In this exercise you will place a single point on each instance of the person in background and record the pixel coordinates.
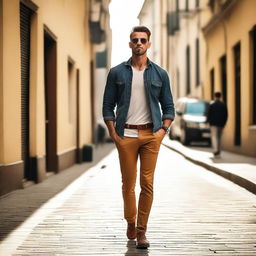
(217, 118)
(135, 88)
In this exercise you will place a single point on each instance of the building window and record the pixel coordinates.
(177, 6)
(172, 22)
(188, 70)
(237, 98)
(71, 90)
(212, 81)
(197, 63)
(187, 6)
(223, 73)
(253, 43)
(101, 59)
(211, 4)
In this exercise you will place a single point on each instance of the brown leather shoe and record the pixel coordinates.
(131, 231)
(142, 242)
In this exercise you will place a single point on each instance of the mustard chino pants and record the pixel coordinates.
(146, 147)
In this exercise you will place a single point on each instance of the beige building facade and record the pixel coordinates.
(45, 89)
(150, 16)
(101, 37)
(177, 42)
(208, 46)
(230, 36)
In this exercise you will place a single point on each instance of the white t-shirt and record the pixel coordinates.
(139, 111)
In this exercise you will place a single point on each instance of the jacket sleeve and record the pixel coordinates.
(110, 97)
(166, 99)
(226, 114)
(209, 112)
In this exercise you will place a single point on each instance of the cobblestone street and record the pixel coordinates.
(195, 212)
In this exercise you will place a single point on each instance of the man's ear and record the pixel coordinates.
(149, 44)
(130, 44)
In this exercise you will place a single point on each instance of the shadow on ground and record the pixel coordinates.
(226, 157)
(133, 251)
(19, 205)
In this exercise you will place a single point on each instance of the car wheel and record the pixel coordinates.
(171, 137)
(184, 138)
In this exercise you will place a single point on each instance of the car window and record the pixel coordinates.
(196, 108)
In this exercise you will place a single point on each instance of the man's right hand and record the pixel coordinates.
(114, 136)
(112, 131)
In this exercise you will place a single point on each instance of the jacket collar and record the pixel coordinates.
(129, 62)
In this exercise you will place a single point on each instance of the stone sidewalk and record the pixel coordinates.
(21, 205)
(195, 212)
(237, 168)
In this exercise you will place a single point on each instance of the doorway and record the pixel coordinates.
(50, 76)
(25, 27)
(223, 70)
(237, 67)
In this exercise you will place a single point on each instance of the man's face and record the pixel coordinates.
(139, 43)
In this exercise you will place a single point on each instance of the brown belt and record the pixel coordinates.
(139, 127)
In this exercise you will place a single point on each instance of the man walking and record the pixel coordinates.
(135, 88)
(217, 118)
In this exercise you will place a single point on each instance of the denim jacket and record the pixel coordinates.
(118, 94)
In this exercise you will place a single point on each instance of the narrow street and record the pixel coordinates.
(73, 74)
(195, 212)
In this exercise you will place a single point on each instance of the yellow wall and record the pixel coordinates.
(11, 79)
(37, 103)
(68, 21)
(61, 17)
(1, 82)
(237, 24)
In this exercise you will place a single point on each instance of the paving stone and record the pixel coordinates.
(195, 212)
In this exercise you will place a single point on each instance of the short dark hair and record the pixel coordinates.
(141, 29)
(217, 94)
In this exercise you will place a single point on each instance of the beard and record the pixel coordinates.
(139, 51)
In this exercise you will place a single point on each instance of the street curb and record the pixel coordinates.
(242, 182)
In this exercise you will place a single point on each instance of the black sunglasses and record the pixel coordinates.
(136, 40)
